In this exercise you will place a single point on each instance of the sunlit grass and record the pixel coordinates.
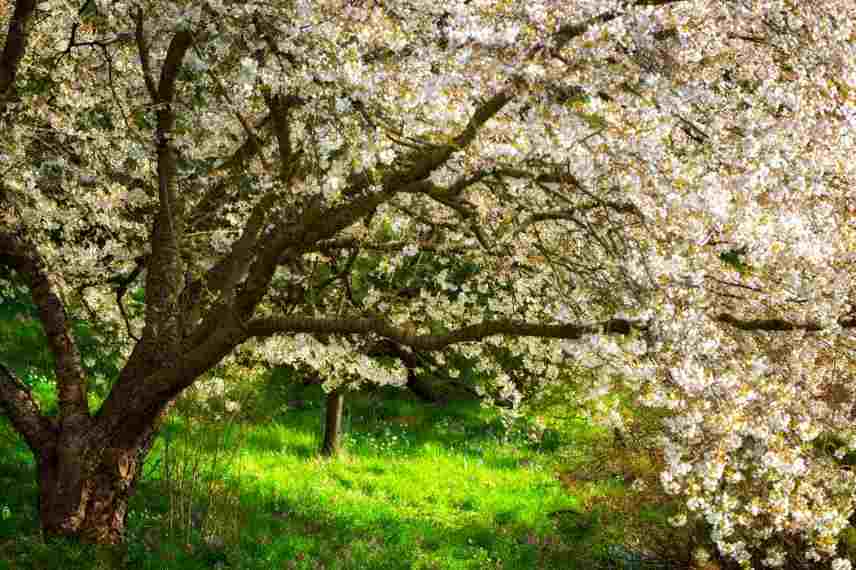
(417, 486)
(441, 487)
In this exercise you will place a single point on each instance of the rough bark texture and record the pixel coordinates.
(95, 507)
(85, 479)
(85, 484)
(333, 423)
(18, 404)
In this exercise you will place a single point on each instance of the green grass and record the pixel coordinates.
(417, 487)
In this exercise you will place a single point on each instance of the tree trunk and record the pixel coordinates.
(84, 496)
(333, 423)
(85, 486)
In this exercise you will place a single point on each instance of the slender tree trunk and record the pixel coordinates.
(333, 423)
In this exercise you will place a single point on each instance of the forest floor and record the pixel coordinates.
(417, 486)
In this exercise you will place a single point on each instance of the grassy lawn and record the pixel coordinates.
(418, 486)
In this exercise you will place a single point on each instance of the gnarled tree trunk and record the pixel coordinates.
(86, 475)
(85, 480)
(86, 495)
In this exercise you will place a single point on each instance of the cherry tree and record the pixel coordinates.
(658, 191)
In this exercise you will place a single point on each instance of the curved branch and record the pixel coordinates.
(178, 47)
(71, 380)
(570, 214)
(17, 403)
(264, 327)
(568, 32)
(124, 282)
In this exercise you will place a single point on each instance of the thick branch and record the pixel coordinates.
(568, 32)
(71, 381)
(217, 287)
(280, 108)
(445, 195)
(316, 225)
(778, 325)
(165, 271)
(17, 403)
(418, 164)
(143, 49)
(16, 45)
(143, 387)
(265, 327)
(172, 64)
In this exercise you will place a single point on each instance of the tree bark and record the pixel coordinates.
(85, 485)
(86, 475)
(333, 423)
(86, 496)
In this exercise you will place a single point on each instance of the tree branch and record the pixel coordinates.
(280, 108)
(178, 47)
(264, 327)
(143, 49)
(71, 380)
(355, 244)
(570, 214)
(218, 285)
(17, 403)
(123, 283)
(778, 325)
(16, 45)
(165, 273)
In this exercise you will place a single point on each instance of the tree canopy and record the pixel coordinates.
(658, 191)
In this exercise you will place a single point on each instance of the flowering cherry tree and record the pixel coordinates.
(659, 191)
